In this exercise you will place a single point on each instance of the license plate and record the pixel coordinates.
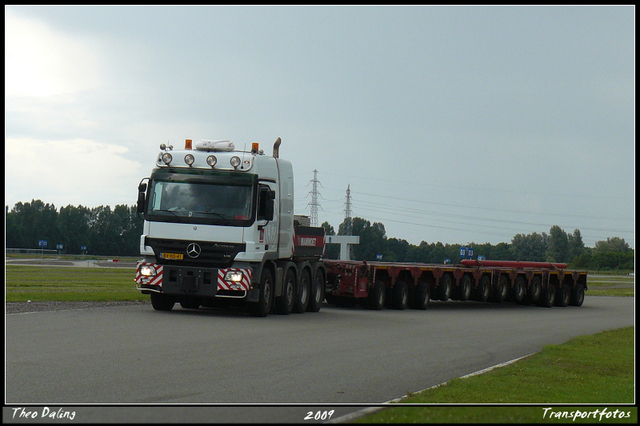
(178, 256)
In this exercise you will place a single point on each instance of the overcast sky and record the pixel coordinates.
(452, 124)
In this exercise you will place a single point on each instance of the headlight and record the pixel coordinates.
(166, 158)
(212, 160)
(233, 276)
(189, 159)
(235, 161)
(148, 271)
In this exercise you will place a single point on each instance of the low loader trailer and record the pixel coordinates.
(402, 285)
(219, 226)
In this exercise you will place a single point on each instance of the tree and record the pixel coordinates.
(557, 245)
(530, 247)
(612, 244)
(576, 245)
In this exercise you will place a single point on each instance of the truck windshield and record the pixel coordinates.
(200, 202)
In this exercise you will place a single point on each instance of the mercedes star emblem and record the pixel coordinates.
(193, 250)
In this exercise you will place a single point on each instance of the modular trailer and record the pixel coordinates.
(219, 226)
(401, 285)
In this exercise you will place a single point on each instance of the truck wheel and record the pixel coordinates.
(444, 288)
(519, 289)
(284, 302)
(577, 296)
(563, 296)
(376, 296)
(421, 296)
(548, 296)
(400, 296)
(262, 307)
(534, 291)
(317, 292)
(162, 302)
(484, 289)
(304, 288)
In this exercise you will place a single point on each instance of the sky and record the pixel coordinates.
(452, 124)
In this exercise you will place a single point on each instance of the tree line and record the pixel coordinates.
(116, 232)
(556, 246)
(102, 230)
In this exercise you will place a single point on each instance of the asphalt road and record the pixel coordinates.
(336, 357)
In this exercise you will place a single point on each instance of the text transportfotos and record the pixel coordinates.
(577, 414)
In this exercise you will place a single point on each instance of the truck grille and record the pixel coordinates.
(184, 253)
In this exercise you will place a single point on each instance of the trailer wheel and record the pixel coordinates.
(577, 295)
(563, 296)
(500, 292)
(400, 295)
(534, 291)
(444, 287)
(162, 302)
(519, 289)
(304, 288)
(548, 296)
(262, 308)
(484, 289)
(317, 292)
(421, 296)
(376, 296)
(284, 302)
(464, 288)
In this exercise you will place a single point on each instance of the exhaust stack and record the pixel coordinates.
(276, 148)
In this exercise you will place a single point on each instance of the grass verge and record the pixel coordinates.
(596, 369)
(42, 284)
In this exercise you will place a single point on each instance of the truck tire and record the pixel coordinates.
(376, 296)
(304, 289)
(577, 295)
(284, 302)
(484, 289)
(421, 296)
(519, 290)
(563, 296)
(262, 307)
(400, 296)
(445, 287)
(535, 291)
(548, 297)
(162, 302)
(317, 291)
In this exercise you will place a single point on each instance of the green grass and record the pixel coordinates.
(597, 369)
(38, 283)
(610, 285)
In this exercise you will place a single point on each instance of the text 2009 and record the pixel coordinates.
(319, 415)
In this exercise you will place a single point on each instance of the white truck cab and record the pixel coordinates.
(219, 223)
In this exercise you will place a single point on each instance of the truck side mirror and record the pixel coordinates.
(266, 204)
(142, 189)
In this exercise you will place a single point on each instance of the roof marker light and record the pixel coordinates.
(235, 161)
(212, 160)
(189, 159)
(166, 158)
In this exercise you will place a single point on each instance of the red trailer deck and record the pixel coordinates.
(403, 285)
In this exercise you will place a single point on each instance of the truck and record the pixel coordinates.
(219, 227)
